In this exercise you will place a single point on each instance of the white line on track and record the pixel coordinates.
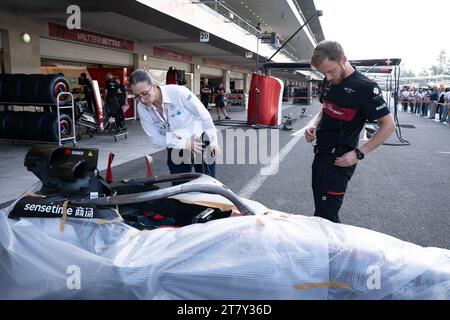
(257, 181)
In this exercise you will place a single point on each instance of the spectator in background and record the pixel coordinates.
(434, 96)
(419, 99)
(205, 93)
(444, 109)
(111, 86)
(404, 96)
(425, 103)
(258, 26)
(412, 99)
(277, 40)
(87, 90)
(111, 103)
(440, 102)
(220, 103)
(122, 97)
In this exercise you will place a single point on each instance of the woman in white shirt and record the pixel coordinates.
(174, 118)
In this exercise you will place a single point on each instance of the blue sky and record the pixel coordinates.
(412, 30)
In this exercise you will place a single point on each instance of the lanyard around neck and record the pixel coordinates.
(164, 117)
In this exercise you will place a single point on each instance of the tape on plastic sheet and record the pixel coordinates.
(32, 194)
(278, 215)
(337, 285)
(259, 222)
(64, 216)
(211, 204)
(106, 221)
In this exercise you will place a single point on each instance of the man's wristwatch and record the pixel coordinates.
(359, 154)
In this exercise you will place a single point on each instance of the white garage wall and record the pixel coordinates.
(163, 64)
(236, 75)
(213, 72)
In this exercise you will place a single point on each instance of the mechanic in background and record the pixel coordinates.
(205, 93)
(88, 91)
(111, 103)
(349, 98)
(220, 101)
(174, 118)
(122, 97)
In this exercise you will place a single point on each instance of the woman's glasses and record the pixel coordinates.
(143, 95)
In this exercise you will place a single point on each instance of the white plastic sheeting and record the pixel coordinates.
(271, 256)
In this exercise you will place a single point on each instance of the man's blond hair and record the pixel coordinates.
(326, 49)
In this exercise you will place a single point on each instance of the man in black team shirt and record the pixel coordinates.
(349, 98)
(205, 92)
(111, 102)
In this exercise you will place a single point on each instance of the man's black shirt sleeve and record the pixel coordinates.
(373, 105)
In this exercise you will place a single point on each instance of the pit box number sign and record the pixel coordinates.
(204, 36)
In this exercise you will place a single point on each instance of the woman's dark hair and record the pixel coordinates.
(140, 75)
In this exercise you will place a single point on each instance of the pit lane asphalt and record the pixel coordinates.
(402, 191)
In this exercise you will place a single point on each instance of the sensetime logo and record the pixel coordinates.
(36, 207)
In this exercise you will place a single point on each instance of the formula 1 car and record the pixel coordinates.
(75, 236)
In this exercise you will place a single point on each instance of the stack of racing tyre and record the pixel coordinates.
(35, 90)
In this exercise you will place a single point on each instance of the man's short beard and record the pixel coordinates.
(341, 76)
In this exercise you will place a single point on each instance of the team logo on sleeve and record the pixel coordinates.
(376, 90)
(381, 107)
(349, 90)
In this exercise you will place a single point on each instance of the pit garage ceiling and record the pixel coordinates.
(133, 20)
(279, 16)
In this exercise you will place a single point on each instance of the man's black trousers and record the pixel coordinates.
(205, 101)
(115, 110)
(329, 184)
